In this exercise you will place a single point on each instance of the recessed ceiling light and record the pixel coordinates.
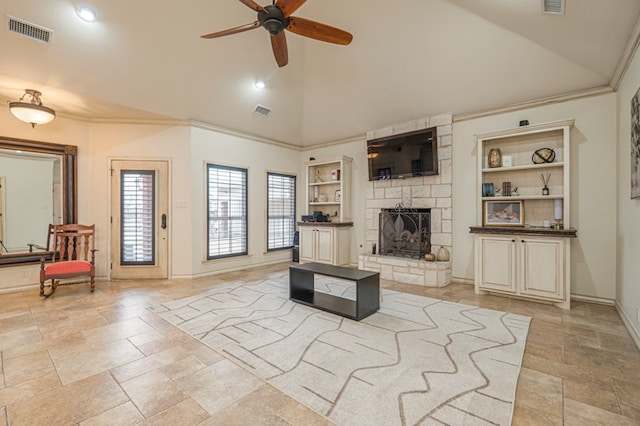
(86, 14)
(260, 84)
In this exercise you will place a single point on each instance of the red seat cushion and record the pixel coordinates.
(68, 267)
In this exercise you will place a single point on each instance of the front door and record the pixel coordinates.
(139, 219)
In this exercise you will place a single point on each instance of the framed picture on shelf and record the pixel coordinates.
(487, 190)
(338, 196)
(503, 213)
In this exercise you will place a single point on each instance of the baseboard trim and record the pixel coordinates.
(223, 271)
(590, 299)
(628, 324)
(461, 280)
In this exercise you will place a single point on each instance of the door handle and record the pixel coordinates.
(163, 223)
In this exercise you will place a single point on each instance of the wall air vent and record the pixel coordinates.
(262, 110)
(555, 7)
(28, 29)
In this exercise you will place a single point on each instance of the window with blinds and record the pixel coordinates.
(137, 232)
(226, 211)
(281, 211)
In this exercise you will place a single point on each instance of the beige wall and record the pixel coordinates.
(628, 230)
(187, 149)
(110, 141)
(258, 158)
(593, 182)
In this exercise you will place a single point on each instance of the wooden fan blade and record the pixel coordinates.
(318, 31)
(289, 6)
(233, 30)
(253, 5)
(279, 46)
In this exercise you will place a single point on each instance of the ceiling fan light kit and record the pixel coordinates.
(32, 112)
(277, 17)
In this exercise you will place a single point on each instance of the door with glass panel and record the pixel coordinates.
(139, 219)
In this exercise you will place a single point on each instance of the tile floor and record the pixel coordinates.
(105, 358)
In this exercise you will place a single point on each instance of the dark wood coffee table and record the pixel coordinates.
(301, 290)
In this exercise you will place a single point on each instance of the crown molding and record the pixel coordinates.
(596, 91)
(181, 123)
(627, 57)
(350, 139)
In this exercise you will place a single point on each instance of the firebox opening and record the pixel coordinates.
(404, 232)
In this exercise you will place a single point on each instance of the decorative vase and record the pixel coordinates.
(494, 158)
(429, 257)
(443, 254)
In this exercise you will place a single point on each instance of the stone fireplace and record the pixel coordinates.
(432, 193)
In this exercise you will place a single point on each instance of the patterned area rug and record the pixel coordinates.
(416, 361)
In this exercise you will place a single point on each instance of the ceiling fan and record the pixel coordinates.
(276, 17)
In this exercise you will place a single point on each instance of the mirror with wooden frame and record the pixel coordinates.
(37, 187)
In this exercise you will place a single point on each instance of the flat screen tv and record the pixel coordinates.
(402, 156)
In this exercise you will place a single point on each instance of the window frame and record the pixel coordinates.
(210, 219)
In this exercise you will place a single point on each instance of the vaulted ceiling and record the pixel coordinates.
(408, 59)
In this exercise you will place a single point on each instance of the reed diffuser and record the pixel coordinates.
(545, 182)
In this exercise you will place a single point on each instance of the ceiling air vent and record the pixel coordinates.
(27, 29)
(262, 110)
(555, 7)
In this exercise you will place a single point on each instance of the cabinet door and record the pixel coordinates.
(497, 264)
(307, 244)
(324, 245)
(542, 267)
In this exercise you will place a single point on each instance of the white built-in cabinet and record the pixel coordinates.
(328, 191)
(324, 244)
(527, 260)
(529, 266)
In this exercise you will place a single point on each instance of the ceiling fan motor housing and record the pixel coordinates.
(273, 21)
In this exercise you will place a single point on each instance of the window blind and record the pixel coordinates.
(137, 233)
(281, 210)
(226, 211)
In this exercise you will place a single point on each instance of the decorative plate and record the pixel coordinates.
(543, 155)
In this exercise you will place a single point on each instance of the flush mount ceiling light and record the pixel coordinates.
(32, 112)
(260, 84)
(86, 14)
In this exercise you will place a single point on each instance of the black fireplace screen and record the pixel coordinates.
(405, 232)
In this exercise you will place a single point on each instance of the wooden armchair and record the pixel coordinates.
(73, 256)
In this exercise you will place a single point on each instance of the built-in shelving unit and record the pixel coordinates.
(530, 256)
(328, 191)
(329, 188)
(520, 144)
